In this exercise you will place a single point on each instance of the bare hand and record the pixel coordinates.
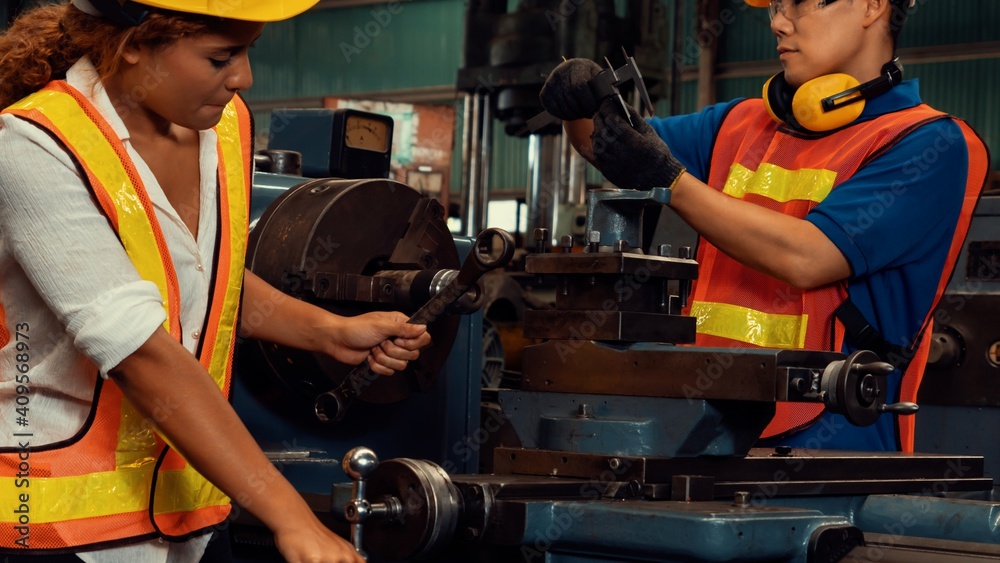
(314, 544)
(385, 339)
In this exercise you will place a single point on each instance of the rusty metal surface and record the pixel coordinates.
(611, 293)
(638, 265)
(801, 472)
(327, 225)
(584, 366)
(621, 326)
(533, 462)
(896, 548)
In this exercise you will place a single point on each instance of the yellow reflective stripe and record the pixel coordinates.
(58, 499)
(136, 438)
(234, 161)
(779, 184)
(126, 489)
(134, 228)
(768, 330)
(198, 492)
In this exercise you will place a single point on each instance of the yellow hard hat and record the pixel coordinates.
(132, 12)
(250, 10)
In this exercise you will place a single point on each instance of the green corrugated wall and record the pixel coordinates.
(364, 49)
(415, 44)
(420, 47)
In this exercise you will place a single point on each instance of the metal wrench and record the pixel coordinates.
(332, 405)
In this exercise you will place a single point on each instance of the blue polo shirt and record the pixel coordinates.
(893, 221)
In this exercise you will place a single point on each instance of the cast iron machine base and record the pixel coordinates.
(637, 448)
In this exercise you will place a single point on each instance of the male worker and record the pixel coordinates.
(825, 229)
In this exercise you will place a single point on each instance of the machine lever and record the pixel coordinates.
(900, 408)
(359, 464)
(874, 368)
(332, 405)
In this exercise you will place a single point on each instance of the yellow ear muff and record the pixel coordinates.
(772, 100)
(807, 104)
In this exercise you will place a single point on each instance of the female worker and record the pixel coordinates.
(124, 180)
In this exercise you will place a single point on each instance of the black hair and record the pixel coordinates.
(900, 11)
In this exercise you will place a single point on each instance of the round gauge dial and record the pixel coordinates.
(366, 133)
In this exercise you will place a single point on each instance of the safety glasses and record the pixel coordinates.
(795, 9)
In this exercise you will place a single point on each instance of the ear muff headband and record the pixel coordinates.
(826, 102)
(128, 14)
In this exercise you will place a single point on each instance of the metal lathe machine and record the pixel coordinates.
(615, 441)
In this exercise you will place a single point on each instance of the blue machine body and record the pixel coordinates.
(434, 425)
(580, 514)
(782, 529)
(959, 396)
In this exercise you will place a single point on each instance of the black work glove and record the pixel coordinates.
(566, 93)
(631, 158)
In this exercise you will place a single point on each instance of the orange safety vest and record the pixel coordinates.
(116, 481)
(757, 161)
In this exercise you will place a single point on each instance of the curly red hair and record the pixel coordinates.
(43, 43)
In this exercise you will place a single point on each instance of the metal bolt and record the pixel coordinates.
(566, 242)
(868, 390)
(584, 411)
(685, 252)
(783, 450)
(541, 240)
(614, 463)
(620, 245)
(741, 499)
(665, 250)
(594, 238)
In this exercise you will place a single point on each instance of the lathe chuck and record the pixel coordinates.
(351, 247)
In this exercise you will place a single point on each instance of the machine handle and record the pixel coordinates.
(855, 388)
(359, 464)
(900, 408)
(485, 256)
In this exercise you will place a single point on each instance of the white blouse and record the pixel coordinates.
(69, 290)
